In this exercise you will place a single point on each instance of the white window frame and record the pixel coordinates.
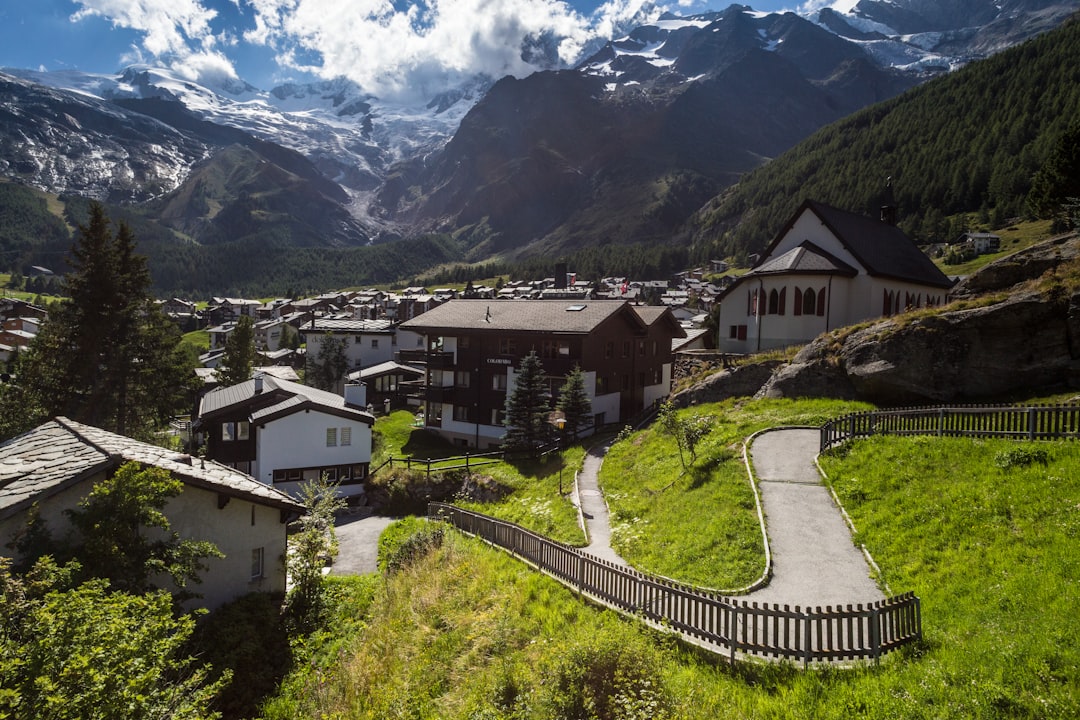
(258, 563)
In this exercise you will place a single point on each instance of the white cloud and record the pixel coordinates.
(393, 48)
(413, 49)
(840, 6)
(176, 32)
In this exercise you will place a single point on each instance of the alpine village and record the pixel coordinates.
(732, 371)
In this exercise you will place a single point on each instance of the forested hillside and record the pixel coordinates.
(972, 141)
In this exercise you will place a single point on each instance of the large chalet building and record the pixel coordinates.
(473, 348)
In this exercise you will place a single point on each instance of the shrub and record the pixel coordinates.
(248, 637)
(618, 678)
(1021, 457)
(406, 541)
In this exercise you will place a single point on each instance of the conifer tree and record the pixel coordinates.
(106, 356)
(574, 403)
(327, 369)
(528, 408)
(239, 355)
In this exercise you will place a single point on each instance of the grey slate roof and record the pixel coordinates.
(550, 316)
(882, 249)
(62, 453)
(807, 259)
(290, 395)
(385, 367)
(347, 325)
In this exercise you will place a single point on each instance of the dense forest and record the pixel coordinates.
(972, 141)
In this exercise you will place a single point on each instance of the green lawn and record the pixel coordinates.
(533, 498)
(985, 532)
(699, 526)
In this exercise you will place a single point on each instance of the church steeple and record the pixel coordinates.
(888, 204)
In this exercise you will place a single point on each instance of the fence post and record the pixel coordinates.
(733, 628)
(806, 635)
(940, 422)
(1031, 423)
(875, 632)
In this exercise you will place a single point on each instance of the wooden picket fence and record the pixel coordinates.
(1049, 422)
(724, 624)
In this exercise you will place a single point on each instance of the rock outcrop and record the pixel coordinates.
(740, 381)
(1028, 340)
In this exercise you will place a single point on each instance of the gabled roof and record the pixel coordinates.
(652, 314)
(61, 453)
(383, 368)
(347, 325)
(882, 249)
(276, 398)
(572, 317)
(806, 259)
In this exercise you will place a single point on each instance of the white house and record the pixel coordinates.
(367, 342)
(827, 268)
(54, 467)
(284, 433)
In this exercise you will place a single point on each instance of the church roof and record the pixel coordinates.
(806, 259)
(884, 250)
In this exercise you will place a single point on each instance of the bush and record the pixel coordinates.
(1021, 457)
(618, 678)
(408, 492)
(406, 541)
(249, 637)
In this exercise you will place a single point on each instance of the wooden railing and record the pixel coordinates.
(728, 625)
(1004, 421)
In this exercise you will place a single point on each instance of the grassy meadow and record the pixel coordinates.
(535, 493)
(700, 525)
(986, 533)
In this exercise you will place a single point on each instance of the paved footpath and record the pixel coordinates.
(358, 542)
(815, 562)
(594, 508)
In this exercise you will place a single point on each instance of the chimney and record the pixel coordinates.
(560, 276)
(356, 395)
(258, 383)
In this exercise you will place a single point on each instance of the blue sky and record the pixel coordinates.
(388, 46)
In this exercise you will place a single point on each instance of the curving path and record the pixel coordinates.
(815, 561)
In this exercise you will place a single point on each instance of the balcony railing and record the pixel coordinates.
(433, 359)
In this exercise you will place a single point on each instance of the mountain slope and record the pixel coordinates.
(965, 142)
(624, 148)
(552, 161)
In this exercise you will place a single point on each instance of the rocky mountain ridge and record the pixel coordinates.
(658, 121)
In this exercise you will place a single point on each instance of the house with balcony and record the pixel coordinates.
(284, 434)
(473, 348)
(827, 268)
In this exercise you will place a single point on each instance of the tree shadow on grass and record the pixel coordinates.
(424, 444)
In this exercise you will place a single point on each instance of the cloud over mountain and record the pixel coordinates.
(391, 48)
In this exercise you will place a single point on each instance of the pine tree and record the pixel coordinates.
(239, 355)
(328, 368)
(574, 403)
(528, 408)
(106, 356)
